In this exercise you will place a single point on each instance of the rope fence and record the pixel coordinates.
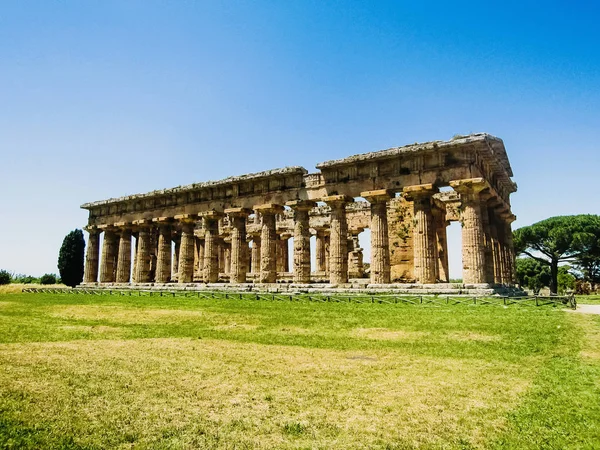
(434, 300)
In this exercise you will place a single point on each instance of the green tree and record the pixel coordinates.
(70, 258)
(532, 274)
(48, 278)
(5, 277)
(559, 239)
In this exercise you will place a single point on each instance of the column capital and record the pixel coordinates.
(238, 212)
(163, 220)
(142, 222)
(269, 208)
(212, 214)
(106, 227)
(469, 185)
(92, 229)
(285, 235)
(301, 204)
(378, 196)
(419, 190)
(186, 218)
(123, 226)
(337, 200)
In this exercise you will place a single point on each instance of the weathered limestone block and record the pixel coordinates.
(163, 262)
(424, 235)
(338, 243)
(92, 256)
(239, 246)
(109, 253)
(211, 243)
(301, 210)
(472, 229)
(355, 256)
(380, 242)
(268, 250)
(124, 261)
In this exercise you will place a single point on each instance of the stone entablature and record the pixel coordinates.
(394, 193)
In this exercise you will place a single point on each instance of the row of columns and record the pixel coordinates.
(488, 255)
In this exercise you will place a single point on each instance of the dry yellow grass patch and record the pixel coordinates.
(388, 335)
(14, 288)
(192, 393)
(591, 341)
(472, 336)
(131, 315)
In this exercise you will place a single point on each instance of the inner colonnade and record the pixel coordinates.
(237, 230)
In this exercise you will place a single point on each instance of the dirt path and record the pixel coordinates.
(588, 309)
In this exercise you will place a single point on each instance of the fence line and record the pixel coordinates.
(435, 300)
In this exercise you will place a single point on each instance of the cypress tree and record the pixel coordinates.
(70, 258)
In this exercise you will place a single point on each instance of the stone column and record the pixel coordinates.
(199, 257)
(440, 225)
(256, 254)
(507, 253)
(488, 250)
(283, 253)
(92, 255)
(473, 246)
(380, 243)
(211, 246)
(268, 250)
(136, 236)
(175, 265)
(496, 250)
(338, 240)
(124, 261)
(355, 255)
(144, 249)
(109, 251)
(321, 251)
(301, 239)
(163, 259)
(186, 251)
(424, 236)
(239, 246)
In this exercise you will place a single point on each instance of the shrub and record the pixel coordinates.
(4, 277)
(48, 278)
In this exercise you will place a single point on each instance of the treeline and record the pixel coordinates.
(561, 253)
(7, 277)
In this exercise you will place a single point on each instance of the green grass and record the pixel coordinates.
(588, 299)
(82, 371)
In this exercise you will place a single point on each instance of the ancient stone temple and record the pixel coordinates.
(238, 230)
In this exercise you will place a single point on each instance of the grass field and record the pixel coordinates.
(91, 372)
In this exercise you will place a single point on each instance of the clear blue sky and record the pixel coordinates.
(107, 98)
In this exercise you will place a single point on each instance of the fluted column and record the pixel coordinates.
(320, 250)
(507, 253)
(186, 251)
(163, 259)
(282, 253)
(256, 254)
(199, 257)
(211, 241)
(239, 246)
(496, 250)
(175, 256)
(92, 255)
(338, 239)
(424, 236)
(109, 251)
(380, 243)
(268, 249)
(124, 261)
(301, 239)
(440, 225)
(143, 256)
(473, 247)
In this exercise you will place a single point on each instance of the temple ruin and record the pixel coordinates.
(235, 231)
